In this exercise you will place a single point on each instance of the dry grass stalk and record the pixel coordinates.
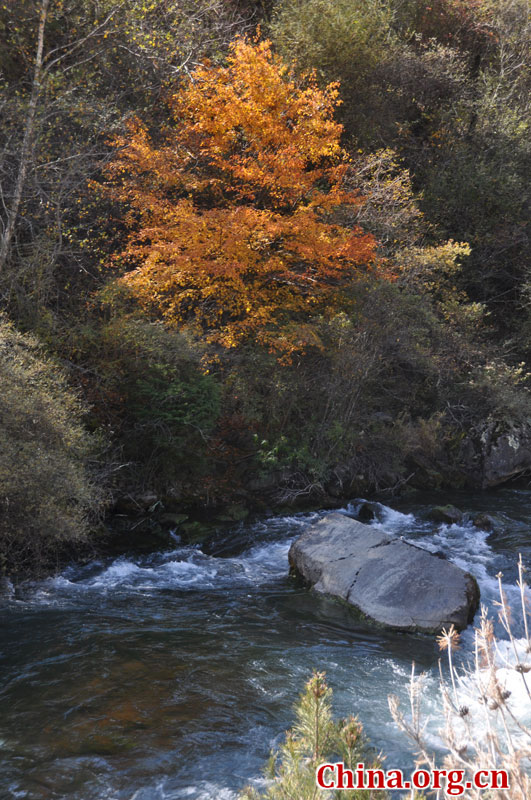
(483, 727)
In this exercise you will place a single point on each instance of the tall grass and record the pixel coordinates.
(481, 704)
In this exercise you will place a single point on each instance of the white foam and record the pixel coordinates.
(118, 573)
(395, 521)
(205, 791)
(518, 683)
(472, 686)
(185, 568)
(266, 561)
(389, 519)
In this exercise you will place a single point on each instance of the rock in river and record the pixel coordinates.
(391, 582)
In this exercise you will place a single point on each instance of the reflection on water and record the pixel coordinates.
(172, 675)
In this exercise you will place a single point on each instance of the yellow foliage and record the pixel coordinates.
(229, 214)
(434, 271)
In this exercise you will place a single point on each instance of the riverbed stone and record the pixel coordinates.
(486, 522)
(448, 514)
(390, 581)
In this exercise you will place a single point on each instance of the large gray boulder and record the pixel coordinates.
(391, 582)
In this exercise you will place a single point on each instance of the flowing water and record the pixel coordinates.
(172, 675)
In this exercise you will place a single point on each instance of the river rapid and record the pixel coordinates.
(171, 675)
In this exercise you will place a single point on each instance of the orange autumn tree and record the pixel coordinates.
(230, 212)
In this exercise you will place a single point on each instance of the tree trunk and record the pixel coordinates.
(12, 214)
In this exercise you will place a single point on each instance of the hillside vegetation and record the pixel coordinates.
(280, 251)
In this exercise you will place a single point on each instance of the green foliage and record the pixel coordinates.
(348, 403)
(476, 190)
(434, 273)
(166, 401)
(314, 739)
(450, 22)
(446, 84)
(389, 80)
(473, 162)
(498, 392)
(47, 494)
(387, 389)
(391, 207)
(342, 41)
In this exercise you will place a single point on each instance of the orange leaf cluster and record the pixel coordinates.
(230, 214)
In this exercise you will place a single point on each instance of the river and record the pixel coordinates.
(171, 675)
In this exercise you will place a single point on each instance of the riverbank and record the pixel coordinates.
(146, 521)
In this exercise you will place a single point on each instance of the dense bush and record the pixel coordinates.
(342, 41)
(350, 400)
(386, 389)
(445, 84)
(161, 402)
(388, 81)
(46, 493)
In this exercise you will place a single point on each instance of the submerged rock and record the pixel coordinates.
(391, 582)
(367, 511)
(486, 522)
(449, 514)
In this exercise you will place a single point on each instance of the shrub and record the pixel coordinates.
(46, 494)
(342, 41)
(350, 411)
(388, 79)
(314, 739)
(162, 402)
